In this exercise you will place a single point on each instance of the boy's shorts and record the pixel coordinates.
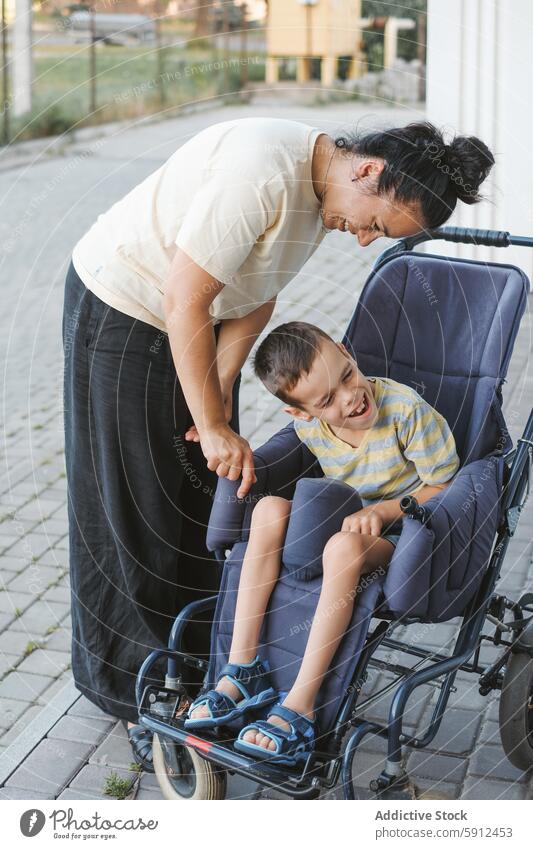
(392, 533)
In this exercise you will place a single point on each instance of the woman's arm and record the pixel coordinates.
(235, 341)
(188, 293)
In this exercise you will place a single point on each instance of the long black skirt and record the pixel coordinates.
(139, 498)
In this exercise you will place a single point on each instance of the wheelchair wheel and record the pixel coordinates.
(182, 774)
(516, 711)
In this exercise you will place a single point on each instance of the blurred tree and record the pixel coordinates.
(201, 26)
(373, 39)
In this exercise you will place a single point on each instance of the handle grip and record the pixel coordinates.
(468, 236)
(410, 506)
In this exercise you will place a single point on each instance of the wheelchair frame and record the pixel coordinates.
(159, 705)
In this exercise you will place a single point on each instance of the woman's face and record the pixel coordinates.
(355, 208)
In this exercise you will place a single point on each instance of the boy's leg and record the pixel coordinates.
(346, 557)
(260, 570)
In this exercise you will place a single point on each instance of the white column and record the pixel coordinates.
(390, 39)
(22, 57)
(479, 74)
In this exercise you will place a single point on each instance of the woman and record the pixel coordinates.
(164, 299)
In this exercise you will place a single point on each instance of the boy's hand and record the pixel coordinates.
(365, 521)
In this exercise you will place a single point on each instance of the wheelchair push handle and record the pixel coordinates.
(469, 236)
(460, 235)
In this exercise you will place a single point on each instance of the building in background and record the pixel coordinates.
(307, 29)
(330, 31)
(479, 74)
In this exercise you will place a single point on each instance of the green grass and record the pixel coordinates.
(117, 787)
(31, 647)
(130, 83)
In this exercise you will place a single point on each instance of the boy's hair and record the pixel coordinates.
(285, 354)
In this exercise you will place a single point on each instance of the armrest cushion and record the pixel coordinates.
(436, 570)
(279, 464)
(318, 509)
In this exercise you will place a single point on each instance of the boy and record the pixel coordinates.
(375, 434)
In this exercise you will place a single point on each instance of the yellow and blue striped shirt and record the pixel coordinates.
(410, 445)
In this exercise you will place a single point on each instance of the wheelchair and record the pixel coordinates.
(447, 327)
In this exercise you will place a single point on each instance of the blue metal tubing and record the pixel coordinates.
(346, 773)
(180, 623)
(145, 668)
(516, 484)
(174, 642)
(466, 644)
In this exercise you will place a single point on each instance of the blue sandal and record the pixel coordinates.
(253, 682)
(291, 746)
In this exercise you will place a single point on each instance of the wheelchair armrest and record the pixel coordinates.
(278, 464)
(436, 568)
(482, 474)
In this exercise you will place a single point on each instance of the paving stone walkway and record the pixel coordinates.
(55, 743)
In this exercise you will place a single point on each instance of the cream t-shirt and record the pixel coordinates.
(237, 197)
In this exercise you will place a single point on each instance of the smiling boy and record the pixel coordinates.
(373, 433)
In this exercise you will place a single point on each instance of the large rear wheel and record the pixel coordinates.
(516, 711)
(183, 774)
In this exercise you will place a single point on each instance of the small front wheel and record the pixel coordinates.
(183, 774)
(516, 711)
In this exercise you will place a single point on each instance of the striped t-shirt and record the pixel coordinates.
(410, 445)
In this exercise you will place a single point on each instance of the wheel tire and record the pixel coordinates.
(196, 779)
(516, 711)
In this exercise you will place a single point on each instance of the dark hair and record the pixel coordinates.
(421, 168)
(285, 354)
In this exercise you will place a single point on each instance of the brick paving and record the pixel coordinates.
(44, 207)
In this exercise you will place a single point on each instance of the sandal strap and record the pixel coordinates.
(297, 721)
(302, 729)
(217, 703)
(246, 677)
(276, 730)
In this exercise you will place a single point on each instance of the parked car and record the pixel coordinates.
(113, 28)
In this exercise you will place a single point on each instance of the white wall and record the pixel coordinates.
(479, 82)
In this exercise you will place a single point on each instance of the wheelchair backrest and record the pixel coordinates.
(446, 327)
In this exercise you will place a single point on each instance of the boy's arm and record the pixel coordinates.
(434, 458)
(374, 517)
(389, 510)
(428, 442)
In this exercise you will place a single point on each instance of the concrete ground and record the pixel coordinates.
(55, 743)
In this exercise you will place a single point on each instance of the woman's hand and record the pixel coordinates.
(366, 521)
(229, 455)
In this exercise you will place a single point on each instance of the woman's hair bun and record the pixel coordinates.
(469, 161)
(421, 168)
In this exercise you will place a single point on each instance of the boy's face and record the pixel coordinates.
(333, 391)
